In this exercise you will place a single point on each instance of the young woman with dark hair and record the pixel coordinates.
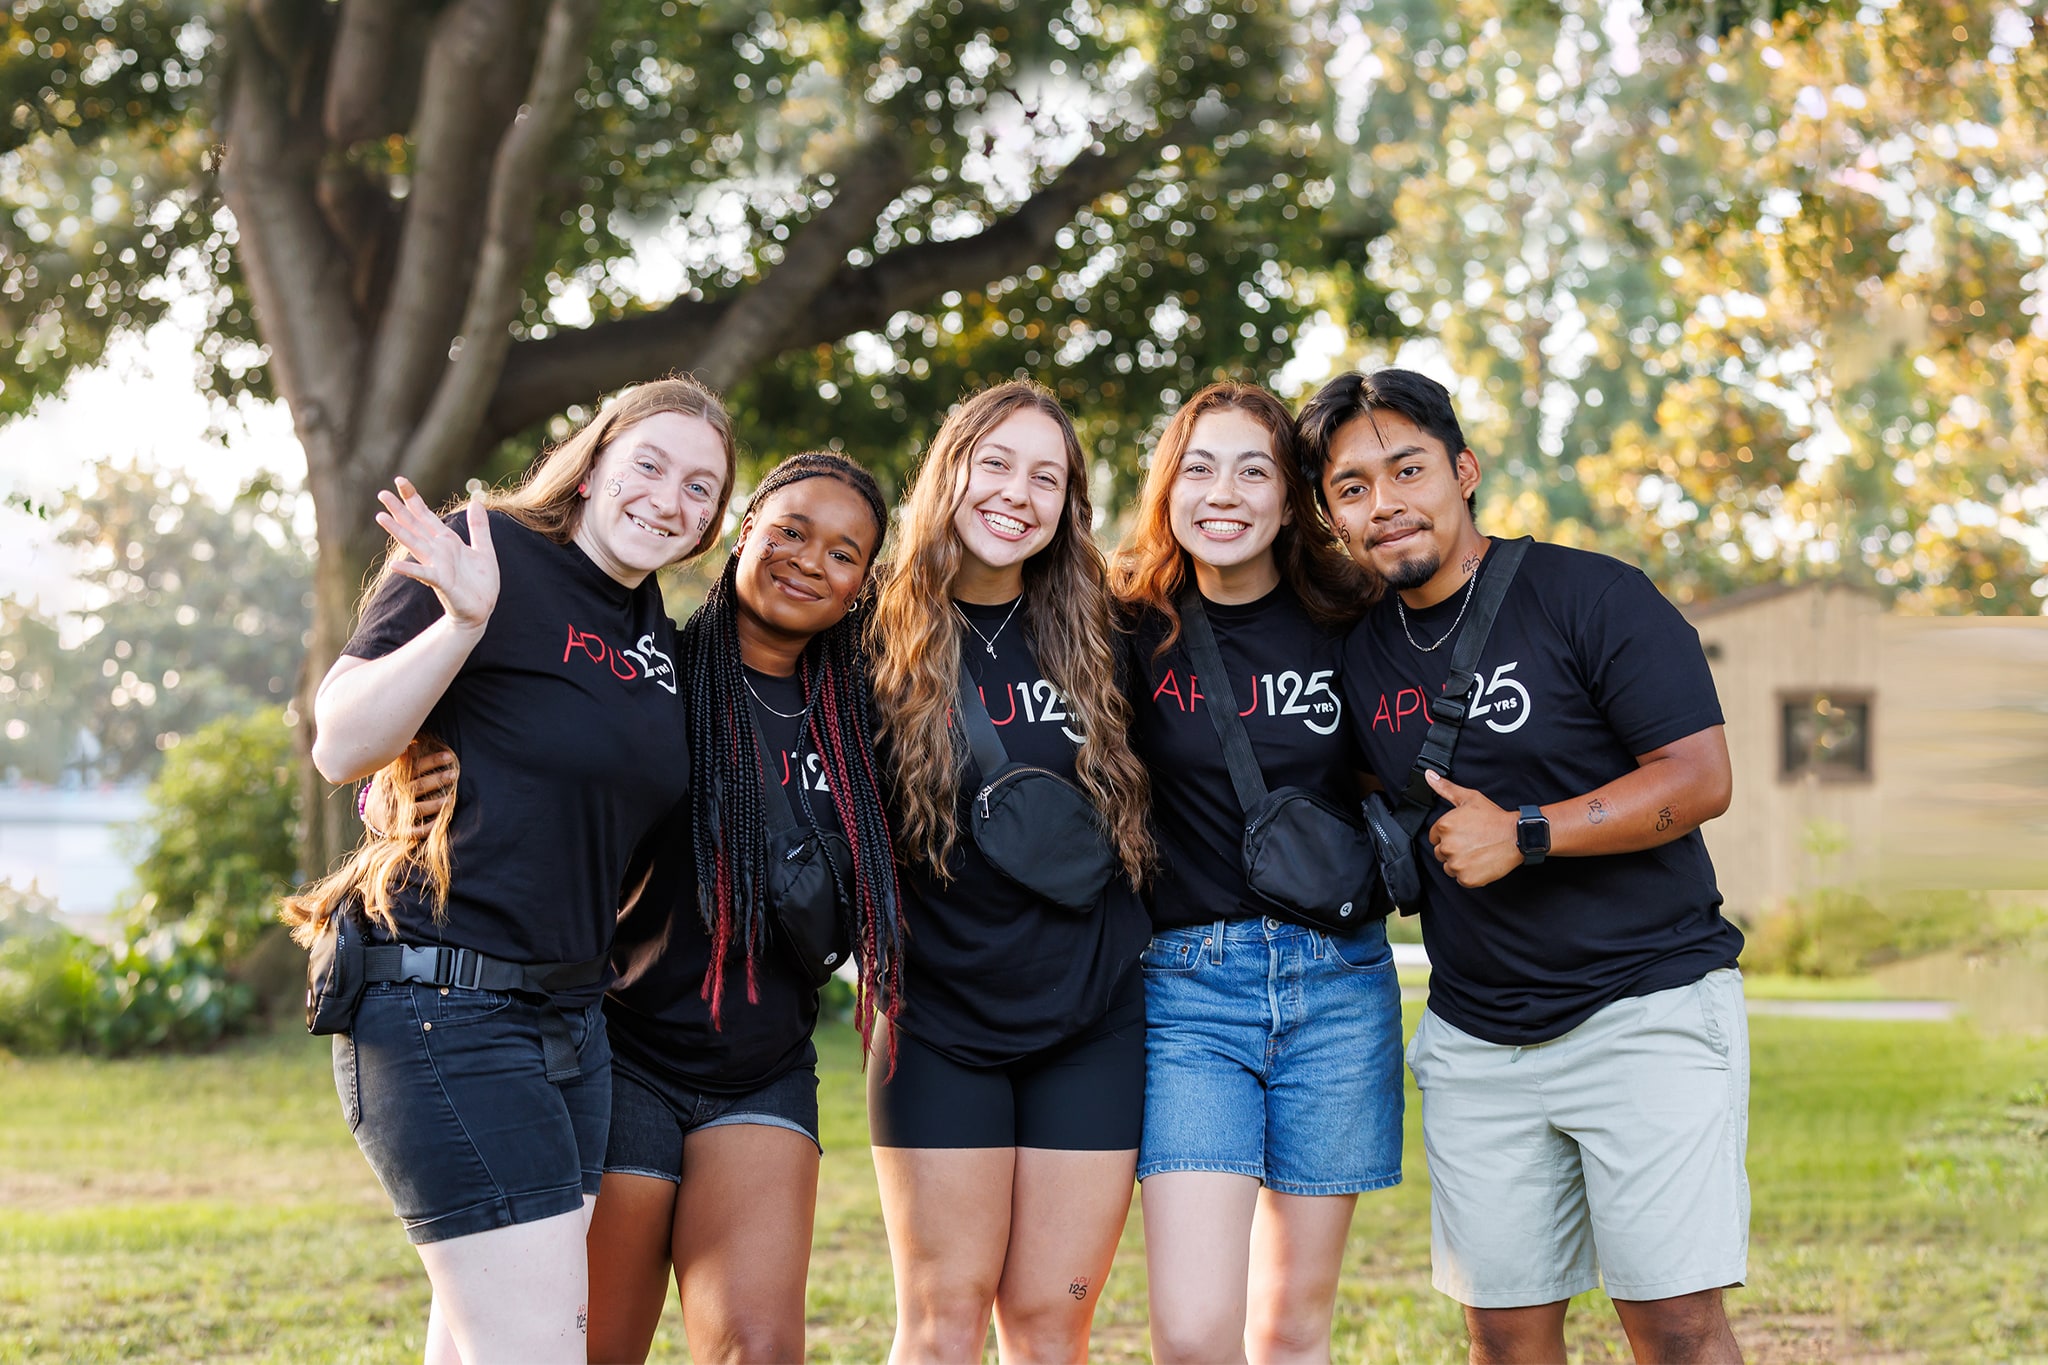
(1273, 1048)
(484, 1112)
(713, 1163)
(1006, 1102)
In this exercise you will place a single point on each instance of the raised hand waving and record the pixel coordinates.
(463, 576)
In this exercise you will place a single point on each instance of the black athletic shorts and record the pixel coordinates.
(1083, 1095)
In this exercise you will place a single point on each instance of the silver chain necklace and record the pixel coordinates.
(1402, 612)
(786, 715)
(989, 641)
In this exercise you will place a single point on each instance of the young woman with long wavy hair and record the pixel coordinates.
(529, 637)
(1005, 1104)
(1273, 1048)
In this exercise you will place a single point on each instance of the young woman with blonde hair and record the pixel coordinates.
(1006, 1100)
(529, 637)
(1273, 1047)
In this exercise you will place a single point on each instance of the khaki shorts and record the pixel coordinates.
(1612, 1155)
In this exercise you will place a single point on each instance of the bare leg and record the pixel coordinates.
(1297, 1251)
(515, 1293)
(1690, 1329)
(947, 1211)
(1067, 1212)
(1198, 1237)
(628, 1246)
(742, 1241)
(1512, 1336)
(440, 1344)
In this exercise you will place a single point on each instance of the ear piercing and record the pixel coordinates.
(583, 490)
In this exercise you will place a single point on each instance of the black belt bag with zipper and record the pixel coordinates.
(1302, 853)
(1034, 826)
(810, 880)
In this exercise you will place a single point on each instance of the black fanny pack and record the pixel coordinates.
(1302, 853)
(1393, 824)
(341, 963)
(810, 880)
(1033, 825)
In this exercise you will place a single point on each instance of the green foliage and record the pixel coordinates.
(197, 611)
(1840, 932)
(222, 826)
(159, 987)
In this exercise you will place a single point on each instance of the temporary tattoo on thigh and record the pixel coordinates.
(1665, 818)
(1596, 810)
(1079, 1288)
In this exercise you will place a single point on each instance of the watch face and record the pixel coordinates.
(1532, 834)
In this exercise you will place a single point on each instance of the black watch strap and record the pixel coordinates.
(1535, 848)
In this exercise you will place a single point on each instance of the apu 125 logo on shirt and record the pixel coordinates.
(644, 659)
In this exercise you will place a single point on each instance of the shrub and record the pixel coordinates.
(1837, 931)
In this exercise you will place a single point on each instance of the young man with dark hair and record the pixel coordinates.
(1584, 1060)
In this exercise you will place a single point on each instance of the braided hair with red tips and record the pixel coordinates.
(728, 819)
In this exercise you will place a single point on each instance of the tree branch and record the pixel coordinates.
(374, 73)
(440, 449)
(543, 376)
(297, 273)
(476, 71)
(752, 328)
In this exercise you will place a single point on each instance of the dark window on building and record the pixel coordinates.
(1825, 734)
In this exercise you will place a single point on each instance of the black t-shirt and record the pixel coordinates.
(566, 720)
(991, 972)
(1587, 666)
(1283, 672)
(659, 1011)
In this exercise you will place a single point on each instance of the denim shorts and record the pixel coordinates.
(651, 1115)
(1274, 1051)
(447, 1094)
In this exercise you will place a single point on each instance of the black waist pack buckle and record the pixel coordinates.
(806, 870)
(1041, 832)
(334, 976)
(1400, 877)
(1309, 859)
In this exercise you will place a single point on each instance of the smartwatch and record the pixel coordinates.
(1532, 835)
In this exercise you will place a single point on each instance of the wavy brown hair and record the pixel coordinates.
(914, 640)
(1151, 568)
(547, 501)
(382, 861)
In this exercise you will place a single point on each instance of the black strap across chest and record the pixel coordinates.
(1214, 681)
(982, 739)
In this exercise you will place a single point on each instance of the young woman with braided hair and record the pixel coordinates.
(1005, 1111)
(712, 1167)
(713, 1164)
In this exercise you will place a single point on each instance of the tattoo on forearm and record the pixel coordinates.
(1596, 811)
(1665, 818)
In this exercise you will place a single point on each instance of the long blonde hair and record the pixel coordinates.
(382, 861)
(914, 640)
(547, 500)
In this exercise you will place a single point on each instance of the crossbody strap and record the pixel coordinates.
(1214, 681)
(989, 753)
(1448, 712)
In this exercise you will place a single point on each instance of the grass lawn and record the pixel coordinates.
(214, 1208)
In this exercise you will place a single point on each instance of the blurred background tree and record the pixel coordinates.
(194, 611)
(1740, 290)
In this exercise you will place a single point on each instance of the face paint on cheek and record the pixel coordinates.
(614, 487)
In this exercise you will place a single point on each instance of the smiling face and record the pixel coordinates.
(1228, 501)
(669, 473)
(1397, 498)
(1016, 492)
(804, 557)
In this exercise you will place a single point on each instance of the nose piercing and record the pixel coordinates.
(614, 487)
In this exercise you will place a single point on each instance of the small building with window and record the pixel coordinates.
(1875, 749)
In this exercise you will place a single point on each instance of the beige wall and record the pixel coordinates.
(1804, 640)
(1958, 793)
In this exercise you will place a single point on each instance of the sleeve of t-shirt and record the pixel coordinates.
(1647, 672)
(400, 608)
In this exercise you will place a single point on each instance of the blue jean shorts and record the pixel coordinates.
(447, 1094)
(1274, 1051)
(652, 1114)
